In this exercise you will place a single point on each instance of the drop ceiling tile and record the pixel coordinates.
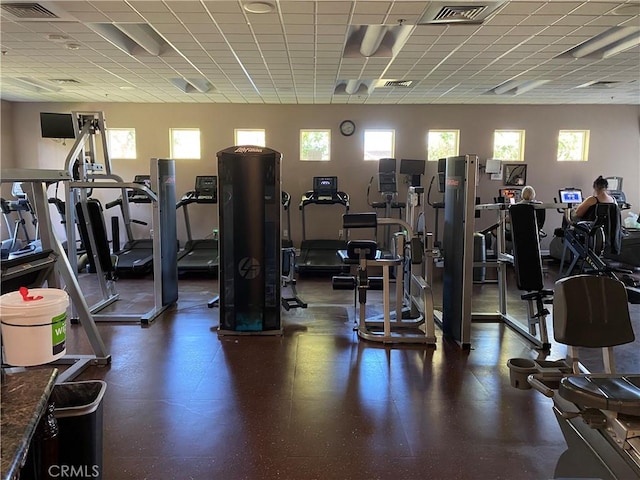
(332, 19)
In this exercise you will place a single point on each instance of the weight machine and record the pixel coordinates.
(36, 182)
(81, 165)
(598, 413)
(412, 321)
(457, 315)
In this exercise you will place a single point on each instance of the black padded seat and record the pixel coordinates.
(356, 247)
(616, 393)
(347, 260)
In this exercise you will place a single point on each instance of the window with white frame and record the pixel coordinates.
(250, 136)
(573, 145)
(442, 144)
(508, 145)
(185, 143)
(121, 142)
(315, 145)
(379, 144)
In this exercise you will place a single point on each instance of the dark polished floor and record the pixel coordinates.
(317, 402)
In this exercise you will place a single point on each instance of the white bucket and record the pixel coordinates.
(34, 331)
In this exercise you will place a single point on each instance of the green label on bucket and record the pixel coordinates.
(59, 332)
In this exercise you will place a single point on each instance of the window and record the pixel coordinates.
(573, 145)
(250, 137)
(121, 142)
(442, 144)
(379, 144)
(315, 145)
(185, 143)
(508, 145)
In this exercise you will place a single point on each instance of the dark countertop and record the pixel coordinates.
(25, 396)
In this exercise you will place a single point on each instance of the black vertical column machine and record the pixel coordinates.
(249, 206)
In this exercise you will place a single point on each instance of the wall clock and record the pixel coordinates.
(347, 128)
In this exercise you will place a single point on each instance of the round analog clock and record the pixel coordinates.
(347, 128)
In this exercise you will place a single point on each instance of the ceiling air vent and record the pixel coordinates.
(65, 81)
(28, 11)
(397, 83)
(458, 13)
(598, 85)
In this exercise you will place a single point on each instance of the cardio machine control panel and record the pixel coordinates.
(206, 189)
(509, 195)
(572, 196)
(325, 192)
(310, 197)
(136, 196)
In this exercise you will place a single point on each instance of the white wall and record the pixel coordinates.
(614, 146)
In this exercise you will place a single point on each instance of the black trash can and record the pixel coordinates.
(78, 411)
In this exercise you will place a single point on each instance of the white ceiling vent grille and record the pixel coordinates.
(603, 84)
(65, 81)
(451, 12)
(28, 11)
(397, 83)
(34, 12)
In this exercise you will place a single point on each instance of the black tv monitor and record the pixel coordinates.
(325, 185)
(515, 174)
(412, 167)
(57, 125)
(442, 169)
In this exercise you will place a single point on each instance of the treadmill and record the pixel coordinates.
(199, 256)
(136, 256)
(321, 256)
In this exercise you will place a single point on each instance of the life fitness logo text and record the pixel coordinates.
(249, 268)
(248, 150)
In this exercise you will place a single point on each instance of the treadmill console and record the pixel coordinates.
(325, 191)
(206, 189)
(136, 196)
(510, 195)
(620, 198)
(325, 188)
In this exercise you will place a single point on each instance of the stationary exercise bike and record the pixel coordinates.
(587, 241)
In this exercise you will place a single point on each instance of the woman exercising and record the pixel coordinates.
(586, 210)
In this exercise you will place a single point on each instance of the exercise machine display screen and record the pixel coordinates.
(615, 183)
(136, 194)
(412, 167)
(571, 196)
(442, 169)
(387, 175)
(207, 187)
(325, 186)
(510, 195)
